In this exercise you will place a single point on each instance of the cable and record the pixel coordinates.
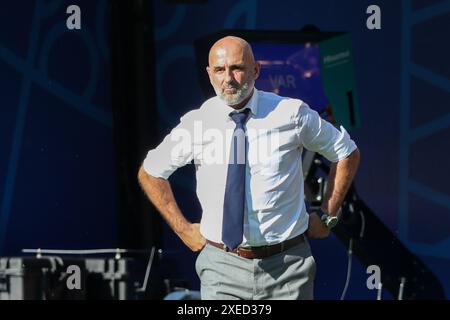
(363, 224)
(89, 251)
(402, 287)
(380, 291)
(349, 268)
(147, 272)
(350, 249)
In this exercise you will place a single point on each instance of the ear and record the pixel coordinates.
(257, 69)
(208, 70)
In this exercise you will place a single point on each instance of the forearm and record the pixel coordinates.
(159, 192)
(340, 178)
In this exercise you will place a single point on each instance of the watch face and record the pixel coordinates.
(332, 222)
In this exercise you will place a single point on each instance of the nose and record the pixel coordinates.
(229, 77)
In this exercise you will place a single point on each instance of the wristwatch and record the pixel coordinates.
(329, 221)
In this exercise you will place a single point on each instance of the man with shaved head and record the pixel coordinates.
(246, 145)
(234, 88)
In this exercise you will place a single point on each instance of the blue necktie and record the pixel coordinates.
(233, 207)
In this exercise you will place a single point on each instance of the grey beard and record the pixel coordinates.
(236, 98)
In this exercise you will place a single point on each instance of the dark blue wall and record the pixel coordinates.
(402, 74)
(56, 158)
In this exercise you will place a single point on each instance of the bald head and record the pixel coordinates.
(231, 44)
(232, 70)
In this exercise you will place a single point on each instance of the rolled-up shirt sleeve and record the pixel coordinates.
(318, 135)
(173, 152)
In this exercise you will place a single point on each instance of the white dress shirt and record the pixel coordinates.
(277, 131)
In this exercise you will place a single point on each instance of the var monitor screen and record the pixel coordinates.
(291, 70)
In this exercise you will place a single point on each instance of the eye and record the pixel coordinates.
(237, 68)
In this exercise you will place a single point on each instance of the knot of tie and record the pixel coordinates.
(240, 118)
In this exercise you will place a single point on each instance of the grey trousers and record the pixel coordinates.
(226, 276)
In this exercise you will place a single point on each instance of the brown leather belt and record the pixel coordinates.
(263, 251)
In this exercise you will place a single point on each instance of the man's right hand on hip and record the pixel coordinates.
(192, 237)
